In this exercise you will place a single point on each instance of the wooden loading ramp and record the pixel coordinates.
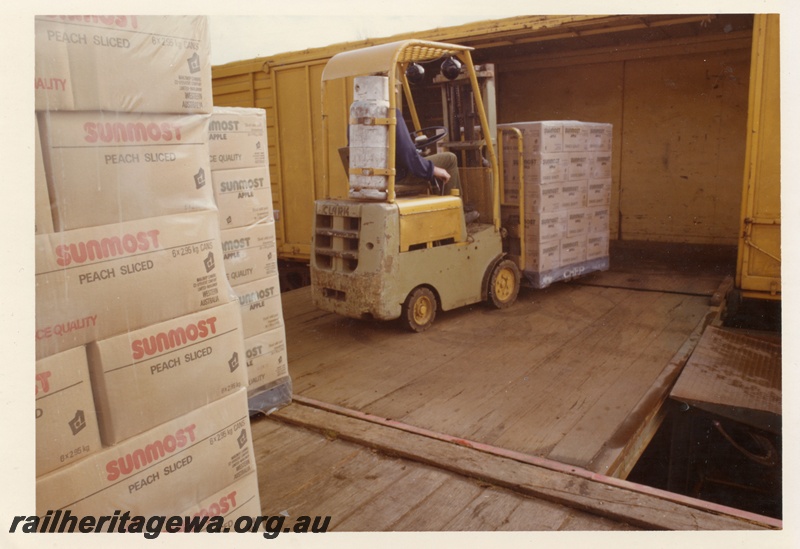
(567, 497)
(573, 375)
(303, 471)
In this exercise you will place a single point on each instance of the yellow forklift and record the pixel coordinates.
(392, 251)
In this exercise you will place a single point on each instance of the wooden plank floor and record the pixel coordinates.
(549, 488)
(569, 373)
(364, 490)
(557, 375)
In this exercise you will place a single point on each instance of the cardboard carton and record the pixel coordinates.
(98, 282)
(576, 136)
(574, 194)
(240, 499)
(109, 167)
(600, 137)
(122, 63)
(599, 192)
(538, 198)
(542, 168)
(544, 226)
(579, 165)
(573, 250)
(543, 256)
(161, 471)
(545, 136)
(601, 166)
(260, 303)
(244, 196)
(237, 138)
(597, 245)
(66, 422)
(43, 216)
(148, 376)
(598, 219)
(250, 253)
(266, 358)
(577, 222)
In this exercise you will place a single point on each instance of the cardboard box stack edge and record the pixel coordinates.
(240, 172)
(140, 373)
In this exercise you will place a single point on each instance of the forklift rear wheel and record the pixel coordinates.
(419, 309)
(504, 284)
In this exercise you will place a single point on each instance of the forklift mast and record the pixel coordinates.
(392, 60)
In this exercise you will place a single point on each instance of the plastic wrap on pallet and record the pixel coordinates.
(237, 138)
(98, 282)
(43, 216)
(568, 272)
(204, 350)
(164, 470)
(250, 253)
(243, 196)
(129, 263)
(130, 63)
(243, 193)
(270, 398)
(66, 423)
(566, 171)
(240, 499)
(142, 165)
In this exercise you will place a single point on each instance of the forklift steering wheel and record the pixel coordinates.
(421, 139)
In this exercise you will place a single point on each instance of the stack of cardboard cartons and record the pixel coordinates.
(140, 378)
(240, 175)
(565, 171)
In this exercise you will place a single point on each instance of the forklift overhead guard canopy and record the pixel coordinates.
(382, 58)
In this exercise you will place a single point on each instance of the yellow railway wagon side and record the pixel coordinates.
(677, 89)
(758, 272)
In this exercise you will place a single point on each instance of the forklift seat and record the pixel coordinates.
(399, 190)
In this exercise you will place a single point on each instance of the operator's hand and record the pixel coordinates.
(441, 174)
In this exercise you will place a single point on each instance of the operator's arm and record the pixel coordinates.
(408, 159)
(441, 174)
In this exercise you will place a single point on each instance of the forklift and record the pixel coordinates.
(391, 251)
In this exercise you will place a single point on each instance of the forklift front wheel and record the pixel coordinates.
(419, 309)
(504, 284)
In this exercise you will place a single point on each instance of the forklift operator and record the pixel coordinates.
(414, 169)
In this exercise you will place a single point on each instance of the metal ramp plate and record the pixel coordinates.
(736, 376)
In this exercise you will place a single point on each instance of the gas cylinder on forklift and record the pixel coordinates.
(393, 251)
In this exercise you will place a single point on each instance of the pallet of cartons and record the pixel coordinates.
(240, 175)
(556, 195)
